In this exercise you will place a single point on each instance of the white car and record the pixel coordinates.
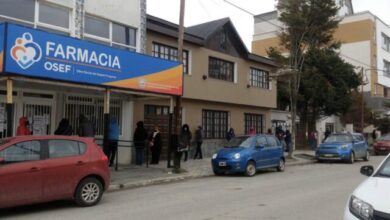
(371, 200)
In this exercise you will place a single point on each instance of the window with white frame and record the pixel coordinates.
(385, 42)
(221, 69)
(103, 31)
(259, 78)
(386, 68)
(54, 17)
(170, 53)
(18, 9)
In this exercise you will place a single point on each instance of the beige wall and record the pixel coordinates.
(192, 112)
(218, 90)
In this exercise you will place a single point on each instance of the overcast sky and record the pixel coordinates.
(200, 11)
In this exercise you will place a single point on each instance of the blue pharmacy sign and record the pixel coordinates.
(35, 53)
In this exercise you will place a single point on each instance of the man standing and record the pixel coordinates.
(113, 136)
(139, 138)
(199, 141)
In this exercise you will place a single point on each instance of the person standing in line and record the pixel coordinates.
(23, 128)
(139, 138)
(287, 139)
(269, 131)
(313, 140)
(252, 131)
(64, 128)
(199, 141)
(185, 140)
(113, 137)
(85, 127)
(230, 134)
(155, 145)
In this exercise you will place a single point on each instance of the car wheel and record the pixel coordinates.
(88, 192)
(367, 157)
(217, 173)
(250, 169)
(282, 165)
(351, 159)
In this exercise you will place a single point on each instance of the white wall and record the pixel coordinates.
(381, 53)
(320, 125)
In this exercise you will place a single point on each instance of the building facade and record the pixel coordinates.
(364, 43)
(111, 29)
(225, 86)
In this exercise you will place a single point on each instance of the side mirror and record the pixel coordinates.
(367, 170)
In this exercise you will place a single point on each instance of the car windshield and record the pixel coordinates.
(385, 138)
(384, 171)
(240, 142)
(337, 138)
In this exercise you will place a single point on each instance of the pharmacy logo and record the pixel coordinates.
(26, 52)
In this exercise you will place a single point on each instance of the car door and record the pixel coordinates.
(65, 161)
(357, 145)
(21, 179)
(261, 151)
(273, 151)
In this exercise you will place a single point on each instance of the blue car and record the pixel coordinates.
(343, 147)
(247, 154)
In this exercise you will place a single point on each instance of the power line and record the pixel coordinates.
(248, 12)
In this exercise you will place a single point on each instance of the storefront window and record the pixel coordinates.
(20, 9)
(97, 27)
(53, 15)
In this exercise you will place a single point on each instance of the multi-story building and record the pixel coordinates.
(224, 84)
(72, 55)
(364, 43)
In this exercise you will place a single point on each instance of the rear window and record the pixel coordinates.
(65, 148)
(338, 138)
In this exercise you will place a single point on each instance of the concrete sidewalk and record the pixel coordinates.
(132, 176)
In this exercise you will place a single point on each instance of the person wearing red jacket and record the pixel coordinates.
(22, 128)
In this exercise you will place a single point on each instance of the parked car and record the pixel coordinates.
(343, 147)
(371, 199)
(247, 154)
(35, 169)
(382, 145)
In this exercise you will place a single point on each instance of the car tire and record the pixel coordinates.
(88, 192)
(367, 157)
(217, 173)
(250, 169)
(281, 166)
(351, 159)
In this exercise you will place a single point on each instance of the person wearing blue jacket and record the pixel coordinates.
(113, 137)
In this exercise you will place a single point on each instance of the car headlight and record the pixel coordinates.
(214, 156)
(344, 146)
(360, 209)
(237, 156)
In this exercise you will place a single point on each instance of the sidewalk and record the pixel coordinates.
(132, 176)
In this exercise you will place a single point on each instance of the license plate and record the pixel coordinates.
(222, 164)
(328, 155)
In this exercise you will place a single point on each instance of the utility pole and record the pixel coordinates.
(362, 119)
(178, 98)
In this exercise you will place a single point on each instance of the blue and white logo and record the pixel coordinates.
(26, 52)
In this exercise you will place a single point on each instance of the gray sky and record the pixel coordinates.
(200, 11)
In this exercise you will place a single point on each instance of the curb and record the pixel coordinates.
(173, 179)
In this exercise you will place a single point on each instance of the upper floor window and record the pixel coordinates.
(170, 53)
(259, 78)
(385, 42)
(386, 68)
(221, 69)
(19, 9)
(223, 40)
(54, 16)
(122, 35)
(97, 27)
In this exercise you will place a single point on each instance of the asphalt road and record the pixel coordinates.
(310, 192)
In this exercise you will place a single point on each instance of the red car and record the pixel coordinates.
(382, 145)
(35, 169)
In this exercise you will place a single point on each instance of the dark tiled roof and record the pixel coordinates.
(204, 30)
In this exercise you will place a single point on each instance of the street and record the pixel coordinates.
(310, 192)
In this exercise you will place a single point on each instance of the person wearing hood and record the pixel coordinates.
(139, 139)
(113, 137)
(64, 128)
(199, 141)
(22, 128)
(155, 145)
(185, 140)
(230, 134)
(85, 127)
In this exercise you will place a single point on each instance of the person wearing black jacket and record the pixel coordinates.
(155, 145)
(64, 128)
(185, 140)
(139, 138)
